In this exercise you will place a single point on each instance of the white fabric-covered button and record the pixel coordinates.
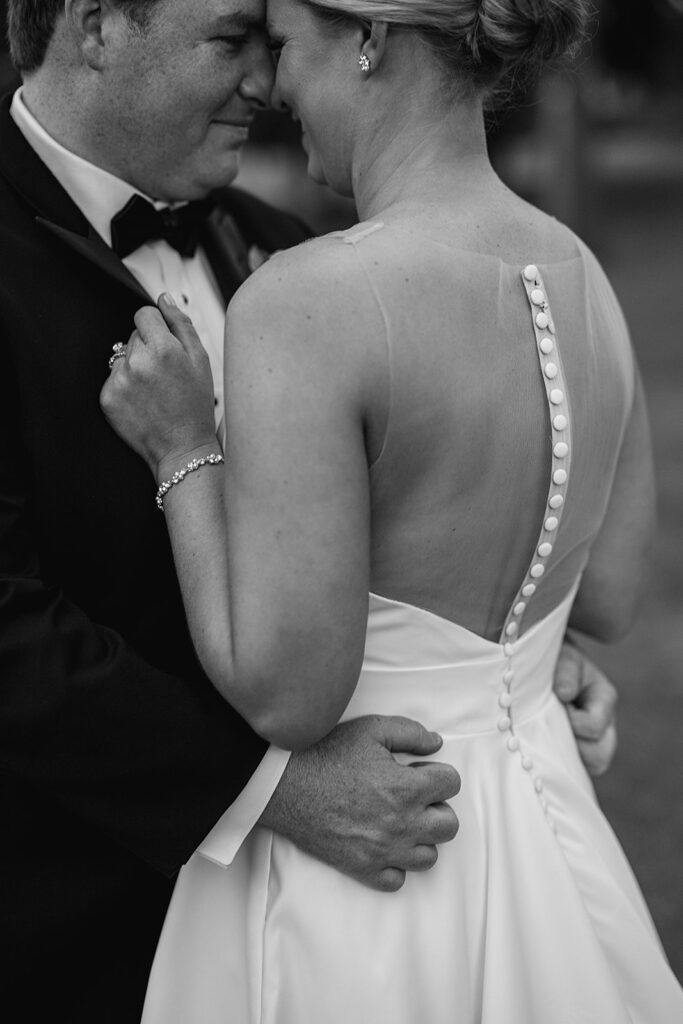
(504, 723)
(508, 676)
(551, 523)
(509, 649)
(557, 501)
(560, 422)
(537, 570)
(550, 370)
(557, 396)
(519, 607)
(527, 763)
(546, 346)
(542, 321)
(545, 549)
(505, 700)
(537, 297)
(512, 743)
(511, 629)
(531, 272)
(538, 785)
(560, 476)
(560, 449)
(528, 589)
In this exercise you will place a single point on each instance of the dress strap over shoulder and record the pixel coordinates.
(358, 232)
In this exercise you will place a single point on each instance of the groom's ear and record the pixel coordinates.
(375, 42)
(84, 20)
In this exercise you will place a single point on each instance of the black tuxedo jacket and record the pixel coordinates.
(116, 754)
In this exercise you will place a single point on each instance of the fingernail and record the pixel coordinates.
(167, 297)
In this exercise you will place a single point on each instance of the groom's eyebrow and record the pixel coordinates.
(237, 21)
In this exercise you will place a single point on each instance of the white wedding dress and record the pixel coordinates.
(531, 915)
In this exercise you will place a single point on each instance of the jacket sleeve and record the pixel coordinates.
(148, 758)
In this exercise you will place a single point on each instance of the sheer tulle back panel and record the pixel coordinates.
(459, 491)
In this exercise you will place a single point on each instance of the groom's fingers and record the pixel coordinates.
(389, 880)
(440, 825)
(404, 735)
(435, 781)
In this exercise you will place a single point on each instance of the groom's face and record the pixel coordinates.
(178, 95)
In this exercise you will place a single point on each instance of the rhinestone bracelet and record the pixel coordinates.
(179, 475)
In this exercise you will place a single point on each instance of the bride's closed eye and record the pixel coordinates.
(275, 47)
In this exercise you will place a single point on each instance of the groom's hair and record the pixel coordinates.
(30, 24)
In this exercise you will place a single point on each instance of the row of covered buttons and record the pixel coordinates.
(545, 330)
(505, 725)
(546, 346)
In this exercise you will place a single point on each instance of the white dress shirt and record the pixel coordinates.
(159, 268)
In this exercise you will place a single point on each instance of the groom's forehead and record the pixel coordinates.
(232, 15)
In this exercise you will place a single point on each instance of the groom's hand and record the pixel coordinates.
(347, 801)
(591, 702)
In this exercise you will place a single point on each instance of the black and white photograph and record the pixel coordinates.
(341, 492)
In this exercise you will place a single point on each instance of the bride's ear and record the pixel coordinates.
(374, 44)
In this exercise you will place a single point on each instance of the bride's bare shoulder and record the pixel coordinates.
(315, 280)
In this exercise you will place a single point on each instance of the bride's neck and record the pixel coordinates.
(421, 159)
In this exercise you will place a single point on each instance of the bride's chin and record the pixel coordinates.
(338, 184)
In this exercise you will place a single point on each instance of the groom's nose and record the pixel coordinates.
(257, 83)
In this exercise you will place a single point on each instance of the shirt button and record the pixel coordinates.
(556, 396)
(505, 700)
(511, 629)
(560, 449)
(557, 501)
(551, 523)
(560, 476)
(537, 297)
(527, 763)
(550, 370)
(519, 608)
(542, 321)
(545, 549)
(560, 422)
(528, 589)
(546, 346)
(512, 743)
(531, 272)
(537, 570)
(504, 723)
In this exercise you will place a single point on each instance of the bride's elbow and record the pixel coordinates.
(288, 731)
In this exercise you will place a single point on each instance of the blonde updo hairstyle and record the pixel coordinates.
(482, 43)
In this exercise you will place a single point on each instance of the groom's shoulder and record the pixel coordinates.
(262, 224)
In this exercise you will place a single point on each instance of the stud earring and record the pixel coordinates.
(364, 63)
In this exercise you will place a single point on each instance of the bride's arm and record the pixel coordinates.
(273, 553)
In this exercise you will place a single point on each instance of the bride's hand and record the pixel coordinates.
(159, 397)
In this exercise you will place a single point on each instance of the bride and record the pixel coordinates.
(436, 457)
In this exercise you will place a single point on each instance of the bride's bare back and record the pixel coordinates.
(440, 337)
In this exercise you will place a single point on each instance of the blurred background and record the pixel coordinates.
(600, 146)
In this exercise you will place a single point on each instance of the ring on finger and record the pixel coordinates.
(119, 353)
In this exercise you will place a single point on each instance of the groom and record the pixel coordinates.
(117, 756)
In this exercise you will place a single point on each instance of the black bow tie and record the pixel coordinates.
(138, 222)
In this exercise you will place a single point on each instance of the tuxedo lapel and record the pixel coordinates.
(93, 248)
(226, 251)
(54, 210)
